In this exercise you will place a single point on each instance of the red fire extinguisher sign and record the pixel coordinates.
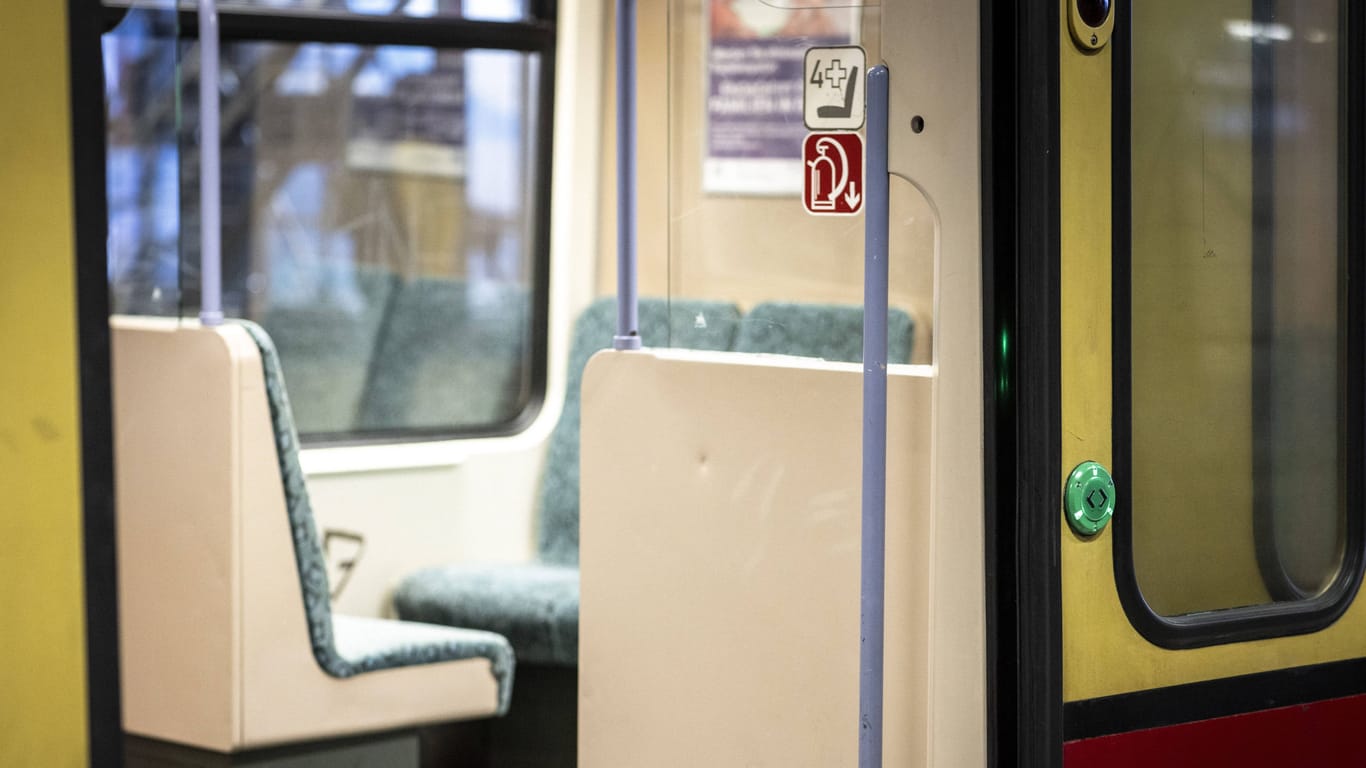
(832, 174)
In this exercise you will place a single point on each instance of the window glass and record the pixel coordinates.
(1237, 314)
(476, 10)
(379, 220)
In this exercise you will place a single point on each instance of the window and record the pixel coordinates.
(385, 200)
(483, 10)
(1238, 338)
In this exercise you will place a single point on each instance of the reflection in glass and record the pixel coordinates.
(480, 10)
(377, 221)
(1236, 318)
(732, 157)
(142, 181)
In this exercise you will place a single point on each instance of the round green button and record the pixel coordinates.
(1089, 499)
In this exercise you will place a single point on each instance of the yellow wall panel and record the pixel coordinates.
(42, 642)
(1085, 281)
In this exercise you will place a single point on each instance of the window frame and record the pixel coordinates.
(535, 34)
(1276, 619)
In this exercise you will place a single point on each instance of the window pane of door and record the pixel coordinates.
(1237, 280)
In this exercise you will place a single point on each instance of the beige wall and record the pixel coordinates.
(739, 248)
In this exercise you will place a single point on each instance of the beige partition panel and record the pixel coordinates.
(213, 640)
(720, 562)
(933, 51)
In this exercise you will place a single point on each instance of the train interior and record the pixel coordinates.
(490, 383)
(399, 430)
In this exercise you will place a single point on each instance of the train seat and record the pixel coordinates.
(449, 352)
(227, 641)
(537, 605)
(349, 645)
(832, 332)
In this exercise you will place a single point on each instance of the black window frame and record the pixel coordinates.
(1296, 616)
(535, 34)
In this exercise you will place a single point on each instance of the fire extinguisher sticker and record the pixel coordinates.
(832, 174)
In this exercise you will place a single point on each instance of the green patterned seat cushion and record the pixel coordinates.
(348, 646)
(687, 324)
(831, 332)
(367, 644)
(534, 606)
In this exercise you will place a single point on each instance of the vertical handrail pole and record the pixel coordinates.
(210, 204)
(871, 617)
(628, 318)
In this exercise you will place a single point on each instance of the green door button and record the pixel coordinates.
(1089, 500)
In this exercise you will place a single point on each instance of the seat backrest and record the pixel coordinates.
(371, 644)
(687, 324)
(326, 346)
(307, 546)
(831, 332)
(450, 354)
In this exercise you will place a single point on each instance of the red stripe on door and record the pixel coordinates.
(1324, 733)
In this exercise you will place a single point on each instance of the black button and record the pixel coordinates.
(1093, 12)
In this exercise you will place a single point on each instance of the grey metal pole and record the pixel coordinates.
(210, 204)
(874, 540)
(628, 318)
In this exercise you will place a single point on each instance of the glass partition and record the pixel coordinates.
(738, 231)
(142, 88)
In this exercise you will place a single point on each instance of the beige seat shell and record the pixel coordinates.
(215, 648)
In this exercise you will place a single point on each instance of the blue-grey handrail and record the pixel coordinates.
(210, 170)
(628, 314)
(874, 539)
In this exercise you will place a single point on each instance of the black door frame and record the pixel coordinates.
(1021, 359)
(86, 68)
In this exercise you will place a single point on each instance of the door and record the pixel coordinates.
(1209, 382)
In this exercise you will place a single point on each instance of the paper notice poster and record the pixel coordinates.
(754, 84)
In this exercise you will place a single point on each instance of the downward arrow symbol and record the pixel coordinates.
(852, 197)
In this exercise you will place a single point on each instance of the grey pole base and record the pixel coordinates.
(626, 342)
